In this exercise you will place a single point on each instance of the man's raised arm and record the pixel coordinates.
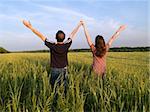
(28, 25)
(75, 31)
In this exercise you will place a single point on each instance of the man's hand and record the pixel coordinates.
(27, 24)
(79, 24)
(83, 23)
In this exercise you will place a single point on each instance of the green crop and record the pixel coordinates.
(24, 84)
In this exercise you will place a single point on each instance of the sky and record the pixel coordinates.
(103, 17)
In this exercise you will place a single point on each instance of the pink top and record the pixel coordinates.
(99, 63)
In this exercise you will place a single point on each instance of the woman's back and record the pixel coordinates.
(100, 49)
(99, 63)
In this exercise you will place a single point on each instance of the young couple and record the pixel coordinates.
(59, 50)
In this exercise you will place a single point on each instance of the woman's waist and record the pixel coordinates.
(99, 64)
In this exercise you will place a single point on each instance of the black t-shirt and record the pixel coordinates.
(58, 52)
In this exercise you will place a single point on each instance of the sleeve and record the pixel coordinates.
(48, 43)
(68, 42)
(92, 47)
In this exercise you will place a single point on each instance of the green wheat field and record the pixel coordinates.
(24, 83)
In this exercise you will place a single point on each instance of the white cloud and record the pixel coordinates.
(49, 19)
(65, 12)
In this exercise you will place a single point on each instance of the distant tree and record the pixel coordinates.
(2, 50)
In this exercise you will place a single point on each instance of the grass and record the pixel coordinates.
(24, 84)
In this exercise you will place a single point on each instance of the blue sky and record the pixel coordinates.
(102, 17)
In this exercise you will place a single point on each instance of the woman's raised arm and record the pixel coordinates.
(116, 34)
(88, 37)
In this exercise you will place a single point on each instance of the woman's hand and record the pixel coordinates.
(27, 24)
(87, 35)
(122, 27)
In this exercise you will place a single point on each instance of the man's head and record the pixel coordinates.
(60, 36)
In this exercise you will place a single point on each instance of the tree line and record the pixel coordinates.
(114, 49)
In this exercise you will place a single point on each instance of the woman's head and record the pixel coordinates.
(100, 46)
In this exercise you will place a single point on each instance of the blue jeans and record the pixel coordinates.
(57, 76)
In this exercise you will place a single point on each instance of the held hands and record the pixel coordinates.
(27, 24)
(82, 23)
(79, 24)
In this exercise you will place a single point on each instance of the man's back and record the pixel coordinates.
(58, 52)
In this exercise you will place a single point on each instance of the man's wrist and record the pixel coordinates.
(117, 32)
(79, 24)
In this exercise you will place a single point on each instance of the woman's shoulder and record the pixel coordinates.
(92, 46)
(107, 47)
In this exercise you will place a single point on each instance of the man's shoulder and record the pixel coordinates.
(47, 40)
(69, 40)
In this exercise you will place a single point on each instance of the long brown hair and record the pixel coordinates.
(100, 46)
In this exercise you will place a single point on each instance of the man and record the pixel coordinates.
(58, 50)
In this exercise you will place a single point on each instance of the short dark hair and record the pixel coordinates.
(58, 38)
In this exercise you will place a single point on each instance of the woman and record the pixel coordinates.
(100, 50)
